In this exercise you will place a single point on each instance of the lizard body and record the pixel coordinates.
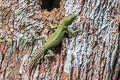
(54, 39)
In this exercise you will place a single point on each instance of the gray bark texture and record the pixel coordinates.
(93, 54)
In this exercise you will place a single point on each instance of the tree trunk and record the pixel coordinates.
(89, 55)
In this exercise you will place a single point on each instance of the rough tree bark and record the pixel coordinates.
(89, 55)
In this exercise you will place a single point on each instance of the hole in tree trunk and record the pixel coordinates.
(50, 4)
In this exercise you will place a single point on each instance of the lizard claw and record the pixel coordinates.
(49, 56)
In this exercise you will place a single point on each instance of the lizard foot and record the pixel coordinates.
(49, 56)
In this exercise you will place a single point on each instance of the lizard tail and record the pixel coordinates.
(33, 60)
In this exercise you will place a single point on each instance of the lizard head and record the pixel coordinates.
(68, 20)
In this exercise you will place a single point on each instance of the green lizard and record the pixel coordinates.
(54, 39)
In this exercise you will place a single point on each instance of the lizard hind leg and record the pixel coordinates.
(48, 56)
(50, 53)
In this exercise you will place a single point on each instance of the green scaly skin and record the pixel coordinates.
(53, 40)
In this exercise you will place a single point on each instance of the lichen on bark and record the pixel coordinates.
(92, 54)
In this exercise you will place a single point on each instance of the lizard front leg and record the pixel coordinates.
(53, 27)
(73, 32)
